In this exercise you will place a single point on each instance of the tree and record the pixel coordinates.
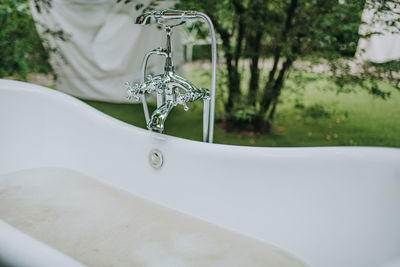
(287, 31)
(21, 50)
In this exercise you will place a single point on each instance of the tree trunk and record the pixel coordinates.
(255, 49)
(233, 70)
(274, 85)
(256, 19)
(267, 97)
(233, 79)
(278, 87)
(233, 74)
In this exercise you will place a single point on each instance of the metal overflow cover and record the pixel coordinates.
(156, 158)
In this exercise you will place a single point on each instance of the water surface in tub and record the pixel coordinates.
(102, 226)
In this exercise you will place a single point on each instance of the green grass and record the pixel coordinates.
(346, 119)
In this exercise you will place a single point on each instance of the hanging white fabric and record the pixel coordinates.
(383, 46)
(103, 47)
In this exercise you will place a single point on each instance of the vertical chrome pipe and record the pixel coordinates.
(169, 62)
(160, 100)
(209, 109)
(144, 101)
(206, 119)
(158, 51)
(213, 75)
(145, 109)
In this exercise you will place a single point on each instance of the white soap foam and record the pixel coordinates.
(103, 226)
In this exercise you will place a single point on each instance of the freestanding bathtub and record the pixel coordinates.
(331, 206)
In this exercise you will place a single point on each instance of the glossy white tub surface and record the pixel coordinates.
(328, 206)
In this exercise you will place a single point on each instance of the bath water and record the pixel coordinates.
(99, 225)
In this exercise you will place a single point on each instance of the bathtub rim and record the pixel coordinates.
(6, 84)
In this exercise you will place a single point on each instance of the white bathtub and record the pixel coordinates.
(331, 206)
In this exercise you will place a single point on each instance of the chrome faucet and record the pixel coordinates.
(170, 88)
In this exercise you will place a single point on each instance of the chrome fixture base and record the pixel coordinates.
(170, 88)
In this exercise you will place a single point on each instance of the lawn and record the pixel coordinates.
(324, 119)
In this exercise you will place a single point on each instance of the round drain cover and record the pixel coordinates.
(156, 158)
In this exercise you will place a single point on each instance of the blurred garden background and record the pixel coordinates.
(290, 73)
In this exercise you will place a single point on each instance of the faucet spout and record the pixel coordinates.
(159, 117)
(170, 88)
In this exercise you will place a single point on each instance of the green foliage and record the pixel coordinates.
(391, 65)
(289, 31)
(336, 31)
(316, 111)
(201, 52)
(21, 50)
(245, 113)
(355, 119)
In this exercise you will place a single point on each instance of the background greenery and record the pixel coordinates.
(325, 119)
(311, 111)
(21, 50)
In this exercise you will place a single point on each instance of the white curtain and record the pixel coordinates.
(104, 48)
(381, 47)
